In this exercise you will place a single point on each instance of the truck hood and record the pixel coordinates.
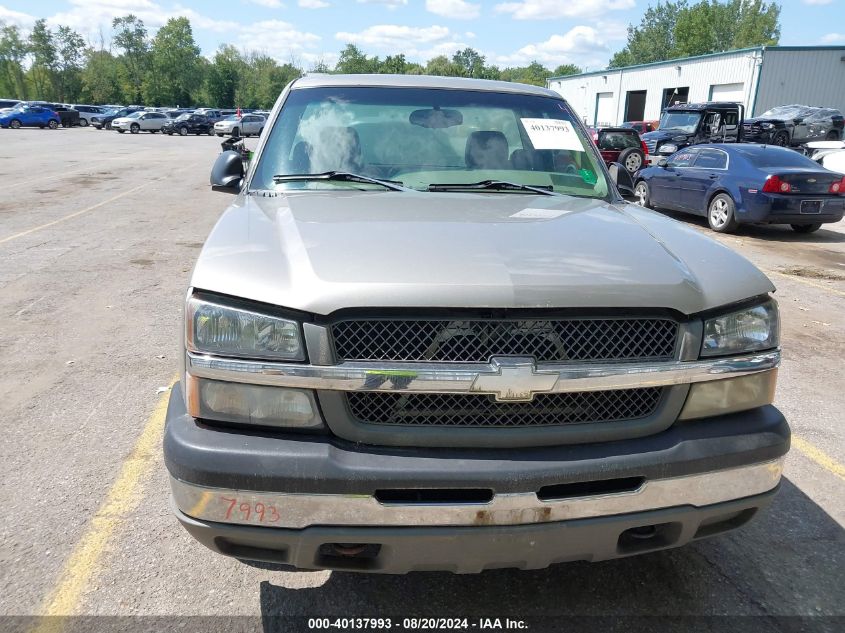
(323, 251)
(661, 135)
(773, 120)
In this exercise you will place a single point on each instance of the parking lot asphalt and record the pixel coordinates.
(98, 234)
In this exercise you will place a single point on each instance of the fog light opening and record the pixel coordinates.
(643, 533)
(348, 555)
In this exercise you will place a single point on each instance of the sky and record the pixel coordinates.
(506, 32)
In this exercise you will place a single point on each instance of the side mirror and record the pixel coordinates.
(622, 178)
(663, 163)
(227, 174)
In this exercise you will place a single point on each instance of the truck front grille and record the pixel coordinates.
(460, 410)
(476, 341)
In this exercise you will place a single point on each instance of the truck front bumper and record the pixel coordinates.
(315, 502)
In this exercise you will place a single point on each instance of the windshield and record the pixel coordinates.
(134, 115)
(234, 117)
(183, 117)
(421, 137)
(683, 121)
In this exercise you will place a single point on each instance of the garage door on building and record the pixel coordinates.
(605, 110)
(728, 92)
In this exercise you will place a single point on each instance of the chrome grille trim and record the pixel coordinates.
(470, 340)
(462, 378)
(480, 411)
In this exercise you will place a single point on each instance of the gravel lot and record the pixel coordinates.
(98, 234)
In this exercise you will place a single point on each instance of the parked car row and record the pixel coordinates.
(184, 124)
(132, 118)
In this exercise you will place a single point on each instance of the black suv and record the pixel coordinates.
(103, 121)
(189, 124)
(687, 124)
(793, 125)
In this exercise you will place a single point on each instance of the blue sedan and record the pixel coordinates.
(30, 116)
(732, 184)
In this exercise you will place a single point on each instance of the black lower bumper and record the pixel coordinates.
(398, 550)
(315, 464)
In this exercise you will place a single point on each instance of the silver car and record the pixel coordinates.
(245, 125)
(86, 112)
(429, 334)
(140, 121)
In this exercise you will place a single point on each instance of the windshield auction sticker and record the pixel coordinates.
(552, 134)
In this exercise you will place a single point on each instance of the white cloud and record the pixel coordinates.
(395, 36)
(817, 2)
(390, 4)
(582, 45)
(276, 38)
(270, 4)
(15, 17)
(832, 38)
(313, 4)
(416, 43)
(553, 9)
(456, 9)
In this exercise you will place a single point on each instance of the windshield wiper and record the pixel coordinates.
(340, 176)
(494, 185)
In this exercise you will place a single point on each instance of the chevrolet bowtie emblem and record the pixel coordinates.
(514, 380)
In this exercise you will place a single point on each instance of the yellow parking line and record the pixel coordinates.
(807, 281)
(820, 457)
(122, 498)
(87, 209)
(74, 214)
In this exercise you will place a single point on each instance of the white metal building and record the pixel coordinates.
(760, 78)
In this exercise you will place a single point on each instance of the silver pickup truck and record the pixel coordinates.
(429, 334)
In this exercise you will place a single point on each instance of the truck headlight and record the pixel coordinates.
(215, 328)
(668, 148)
(747, 330)
(766, 126)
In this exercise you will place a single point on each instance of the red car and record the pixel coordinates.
(621, 145)
(642, 126)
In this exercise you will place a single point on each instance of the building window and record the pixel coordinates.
(671, 96)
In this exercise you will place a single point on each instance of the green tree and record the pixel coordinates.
(677, 29)
(13, 51)
(71, 54)
(442, 66)
(224, 74)
(131, 39)
(470, 63)
(175, 70)
(758, 24)
(263, 80)
(42, 71)
(352, 60)
(535, 73)
(566, 69)
(654, 39)
(320, 66)
(100, 78)
(394, 65)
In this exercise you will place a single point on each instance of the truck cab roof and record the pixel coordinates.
(707, 105)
